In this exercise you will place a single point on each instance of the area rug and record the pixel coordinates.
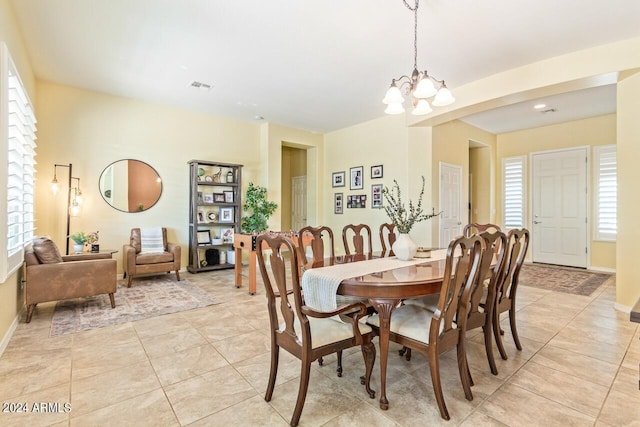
(562, 279)
(147, 297)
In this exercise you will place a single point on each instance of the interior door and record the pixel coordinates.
(298, 202)
(559, 207)
(450, 203)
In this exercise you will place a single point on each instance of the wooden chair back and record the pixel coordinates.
(322, 239)
(476, 228)
(355, 233)
(517, 246)
(461, 270)
(387, 238)
(281, 279)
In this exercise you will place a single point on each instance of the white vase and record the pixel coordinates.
(78, 248)
(404, 248)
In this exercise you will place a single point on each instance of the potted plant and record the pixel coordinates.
(404, 219)
(259, 207)
(79, 238)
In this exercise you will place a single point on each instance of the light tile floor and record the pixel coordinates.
(209, 367)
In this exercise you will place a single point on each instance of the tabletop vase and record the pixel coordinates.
(404, 248)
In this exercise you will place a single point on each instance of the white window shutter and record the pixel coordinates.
(513, 192)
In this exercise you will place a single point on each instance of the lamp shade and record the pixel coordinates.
(424, 88)
(421, 108)
(393, 96)
(394, 108)
(443, 97)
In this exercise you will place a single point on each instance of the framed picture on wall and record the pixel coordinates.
(218, 197)
(376, 171)
(337, 179)
(228, 196)
(207, 198)
(337, 203)
(376, 196)
(356, 181)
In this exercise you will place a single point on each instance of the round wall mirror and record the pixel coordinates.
(130, 185)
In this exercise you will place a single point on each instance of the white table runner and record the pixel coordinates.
(320, 285)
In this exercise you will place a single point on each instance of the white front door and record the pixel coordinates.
(298, 202)
(450, 203)
(559, 207)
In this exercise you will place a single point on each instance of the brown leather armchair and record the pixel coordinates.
(136, 263)
(52, 277)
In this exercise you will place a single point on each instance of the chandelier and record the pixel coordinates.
(419, 86)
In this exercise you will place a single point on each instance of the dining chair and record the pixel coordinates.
(354, 233)
(321, 237)
(387, 237)
(302, 331)
(483, 294)
(483, 299)
(517, 246)
(317, 247)
(434, 332)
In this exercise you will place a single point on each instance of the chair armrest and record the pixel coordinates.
(129, 259)
(177, 253)
(349, 308)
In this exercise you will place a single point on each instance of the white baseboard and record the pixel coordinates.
(603, 269)
(7, 337)
(622, 308)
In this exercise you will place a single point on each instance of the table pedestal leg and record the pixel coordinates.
(384, 309)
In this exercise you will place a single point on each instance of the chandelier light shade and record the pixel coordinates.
(420, 86)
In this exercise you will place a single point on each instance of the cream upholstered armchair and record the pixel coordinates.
(155, 255)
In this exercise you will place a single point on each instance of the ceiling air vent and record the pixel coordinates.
(199, 85)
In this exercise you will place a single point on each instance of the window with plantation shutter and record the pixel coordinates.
(18, 126)
(606, 201)
(513, 192)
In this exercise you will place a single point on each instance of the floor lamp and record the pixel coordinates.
(54, 188)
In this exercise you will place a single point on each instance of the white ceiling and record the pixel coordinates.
(314, 64)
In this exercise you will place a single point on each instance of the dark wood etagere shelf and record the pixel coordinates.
(215, 203)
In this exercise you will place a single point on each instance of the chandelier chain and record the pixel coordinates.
(415, 31)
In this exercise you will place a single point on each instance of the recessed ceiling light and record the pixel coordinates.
(539, 106)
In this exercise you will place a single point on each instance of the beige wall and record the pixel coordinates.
(482, 170)
(91, 130)
(11, 297)
(451, 145)
(588, 132)
(628, 128)
(294, 163)
(272, 138)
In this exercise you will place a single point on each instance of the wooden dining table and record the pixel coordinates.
(385, 290)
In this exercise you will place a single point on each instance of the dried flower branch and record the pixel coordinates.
(404, 219)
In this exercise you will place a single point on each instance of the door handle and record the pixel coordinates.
(537, 222)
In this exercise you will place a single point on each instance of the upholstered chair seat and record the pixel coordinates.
(410, 321)
(327, 331)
